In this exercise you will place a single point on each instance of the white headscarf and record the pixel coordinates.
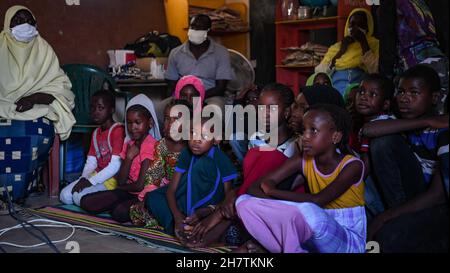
(29, 68)
(145, 101)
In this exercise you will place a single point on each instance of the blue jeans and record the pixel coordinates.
(342, 78)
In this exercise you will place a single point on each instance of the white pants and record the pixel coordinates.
(68, 198)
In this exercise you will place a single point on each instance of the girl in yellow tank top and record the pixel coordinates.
(331, 218)
(317, 181)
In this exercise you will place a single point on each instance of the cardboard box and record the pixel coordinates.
(144, 63)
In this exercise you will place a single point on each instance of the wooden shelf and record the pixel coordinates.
(223, 33)
(318, 20)
(213, 32)
(309, 24)
(298, 32)
(294, 66)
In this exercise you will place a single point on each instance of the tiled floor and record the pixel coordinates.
(89, 242)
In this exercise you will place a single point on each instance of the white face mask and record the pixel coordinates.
(24, 32)
(197, 36)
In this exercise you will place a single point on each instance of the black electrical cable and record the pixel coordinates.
(24, 223)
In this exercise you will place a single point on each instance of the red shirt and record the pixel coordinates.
(116, 138)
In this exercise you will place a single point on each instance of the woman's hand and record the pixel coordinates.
(358, 35)
(132, 151)
(25, 104)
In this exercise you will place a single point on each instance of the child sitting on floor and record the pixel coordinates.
(409, 155)
(103, 160)
(137, 155)
(258, 161)
(406, 151)
(201, 180)
(372, 102)
(329, 219)
(162, 168)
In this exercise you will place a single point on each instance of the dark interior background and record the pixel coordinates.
(262, 39)
(83, 34)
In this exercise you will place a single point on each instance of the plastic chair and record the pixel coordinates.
(86, 80)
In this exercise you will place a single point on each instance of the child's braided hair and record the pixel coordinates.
(341, 119)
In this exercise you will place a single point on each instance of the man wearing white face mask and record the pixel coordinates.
(35, 100)
(203, 58)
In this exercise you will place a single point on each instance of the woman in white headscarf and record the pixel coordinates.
(35, 100)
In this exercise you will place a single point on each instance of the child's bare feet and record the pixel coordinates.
(198, 215)
(215, 228)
